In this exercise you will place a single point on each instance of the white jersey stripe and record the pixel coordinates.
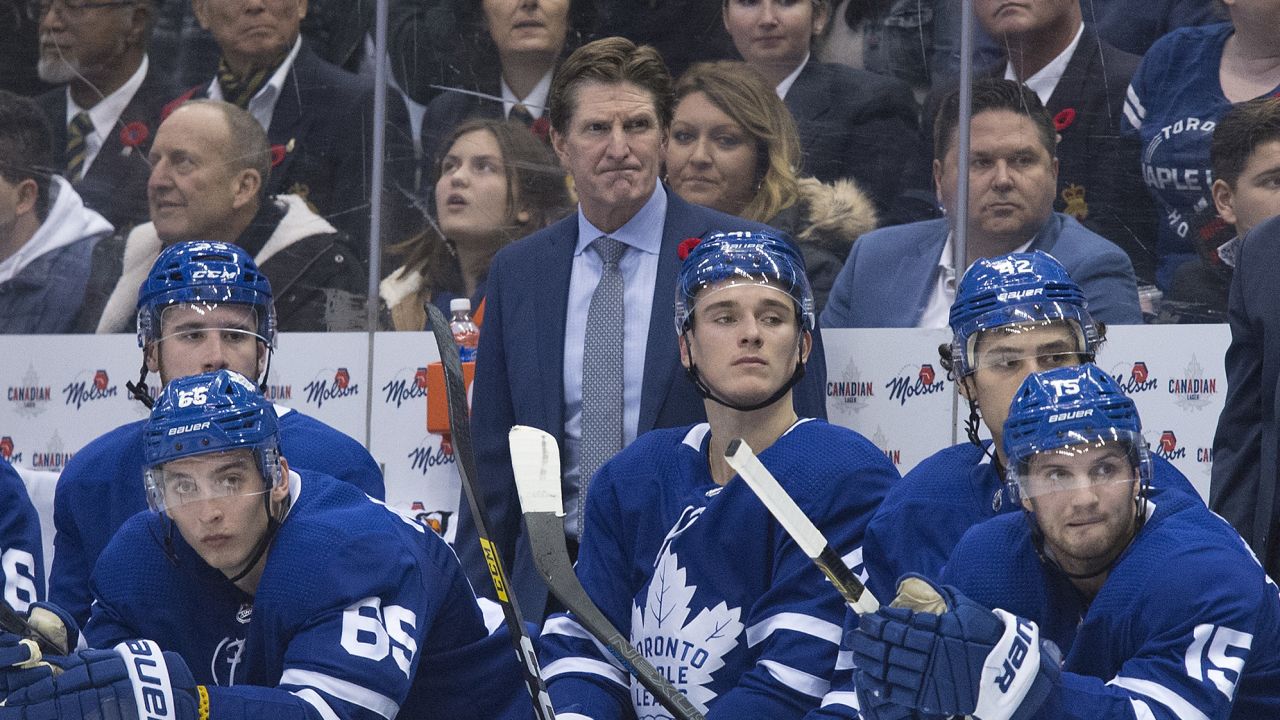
(567, 626)
(1162, 695)
(796, 622)
(585, 665)
(312, 698)
(343, 690)
(844, 660)
(847, 698)
(1134, 120)
(810, 685)
(1132, 96)
(1141, 711)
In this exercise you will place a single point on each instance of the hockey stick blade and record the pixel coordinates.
(460, 431)
(799, 526)
(535, 460)
(12, 622)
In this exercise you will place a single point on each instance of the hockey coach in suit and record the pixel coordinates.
(551, 353)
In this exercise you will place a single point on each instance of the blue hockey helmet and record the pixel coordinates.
(743, 258)
(213, 412)
(204, 273)
(1017, 289)
(1064, 411)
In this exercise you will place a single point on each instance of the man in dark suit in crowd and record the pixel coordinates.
(1081, 80)
(104, 118)
(1246, 448)
(556, 350)
(318, 117)
(904, 276)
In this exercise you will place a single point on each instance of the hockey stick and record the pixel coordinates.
(799, 526)
(535, 459)
(460, 431)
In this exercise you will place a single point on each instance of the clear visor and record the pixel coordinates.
(213, 476)
(196, 323)
(1026, 347)
(1084, 462)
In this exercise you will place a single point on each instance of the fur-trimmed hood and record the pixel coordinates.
(832, 216)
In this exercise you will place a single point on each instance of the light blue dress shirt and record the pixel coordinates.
(643, 236)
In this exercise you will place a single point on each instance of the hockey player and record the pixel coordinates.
(1161, 609)
(680, 555)
(1013, 315)
(275, 594)
(21, 554)
(203, 306)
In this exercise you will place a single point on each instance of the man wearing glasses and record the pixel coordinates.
(106, 113)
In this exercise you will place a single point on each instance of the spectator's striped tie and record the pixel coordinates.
(77, 144)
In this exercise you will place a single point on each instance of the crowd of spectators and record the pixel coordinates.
(829, 108)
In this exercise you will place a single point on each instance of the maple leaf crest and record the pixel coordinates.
(686, 652)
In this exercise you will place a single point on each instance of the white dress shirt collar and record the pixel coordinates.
(106, 112)
(535, 102)
(1044, 82)
(262, 106)
(790, 80)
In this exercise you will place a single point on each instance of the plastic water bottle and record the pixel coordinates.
(465, 332)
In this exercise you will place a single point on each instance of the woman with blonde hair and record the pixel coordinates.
(495, 182)
(733, 147)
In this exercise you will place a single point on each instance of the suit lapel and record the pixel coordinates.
(917, 272)
(662, 355)
(1076, 74)
(549, 293)
(809, 97)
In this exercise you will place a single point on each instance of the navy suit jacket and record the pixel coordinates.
(116, 184)
(860, 125)
(890, 274)
(520, 376)
(325, 115)
(1246, 448)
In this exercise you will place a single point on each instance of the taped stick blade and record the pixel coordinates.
(762, 482)
(535, 461)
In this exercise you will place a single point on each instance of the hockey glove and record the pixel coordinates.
(22, 662)
(135, 680)
(936, 651)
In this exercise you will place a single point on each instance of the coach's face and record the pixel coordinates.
(612, 147)
(1021, 17)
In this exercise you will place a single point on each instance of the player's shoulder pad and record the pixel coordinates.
(943, 473)
(92, 463)
(817, 461)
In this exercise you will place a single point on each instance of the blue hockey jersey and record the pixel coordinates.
(1187, 625)
(22, 569)
(1174, 103)
(925, 515)
(706, 584)
(361, 613)
(101, 487)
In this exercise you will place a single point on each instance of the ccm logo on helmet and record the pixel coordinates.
(1017, 654)
(1074, 414)
(193, 427)
(215, 275)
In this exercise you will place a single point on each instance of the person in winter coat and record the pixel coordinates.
(733, 147)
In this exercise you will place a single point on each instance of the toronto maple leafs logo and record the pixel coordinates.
(686, 651)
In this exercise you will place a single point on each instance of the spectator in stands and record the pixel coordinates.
(47, 235)
(495, 182)
(529, 38)
(904, 276)
(104, 115)
(1182, 88)
(852, 123)
(202, 306)
(1245, 156)
(210, 163)
(577, 335)
(1081, 80)
(317, 114)
(732, 147)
